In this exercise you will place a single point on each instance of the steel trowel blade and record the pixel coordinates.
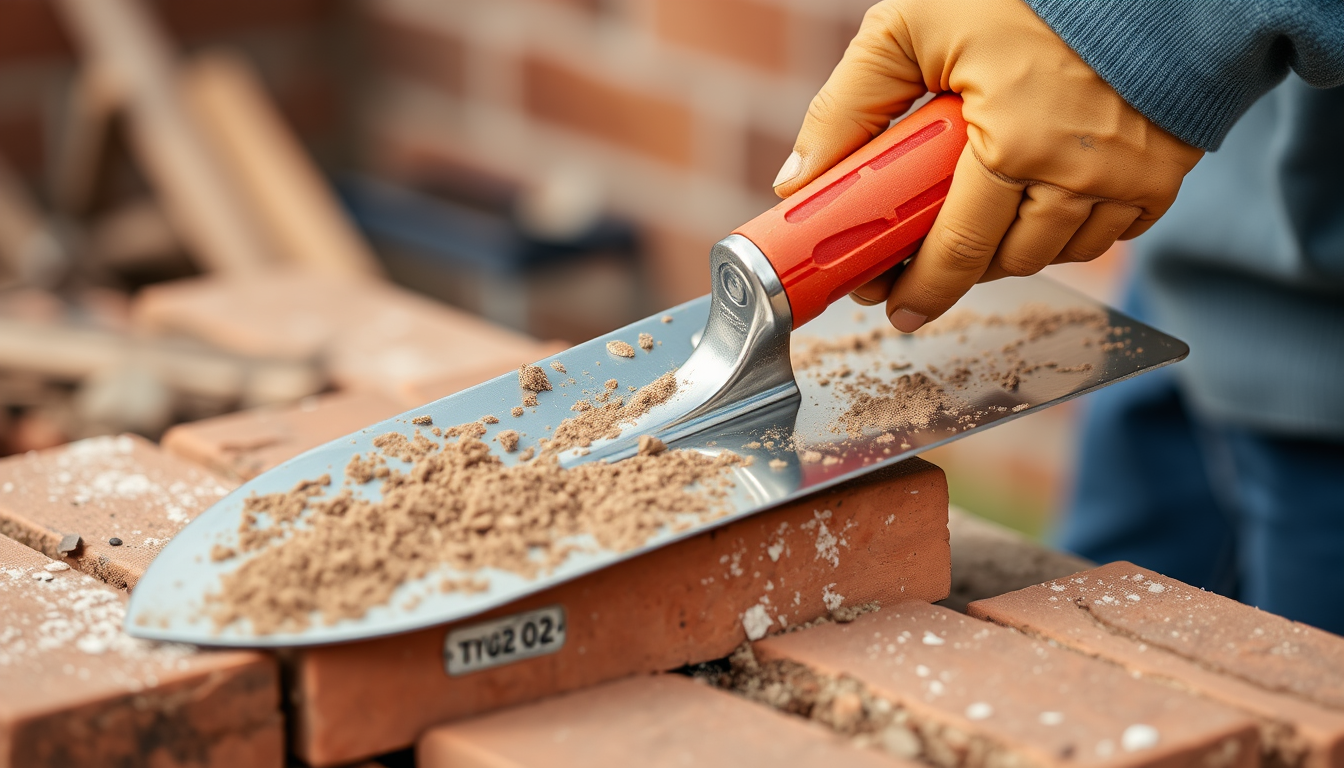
(169, 602)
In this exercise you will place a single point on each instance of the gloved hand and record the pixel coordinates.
(1056, 168)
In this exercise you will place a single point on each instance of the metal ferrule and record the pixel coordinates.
(740, 365)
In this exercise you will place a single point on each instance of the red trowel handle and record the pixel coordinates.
(865, 215)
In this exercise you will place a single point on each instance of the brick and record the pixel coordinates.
(74, 690)
(433, 57)
(667, 720)
(744, 31)
(684, 603)
(1288, 676)
(371, 336)
(101, 488)
(978, 693)
(609, 111)
(243, 444)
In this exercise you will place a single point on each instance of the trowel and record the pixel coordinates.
(775, 283)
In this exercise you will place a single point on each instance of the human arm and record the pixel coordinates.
(1058, 164)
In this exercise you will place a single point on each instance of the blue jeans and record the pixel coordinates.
(1254, 516)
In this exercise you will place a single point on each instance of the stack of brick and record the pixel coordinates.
(74, 689)
(1116, 666)
(822, 608)
(384, 348)
(685, 109)
(691, 602)
(369, 335)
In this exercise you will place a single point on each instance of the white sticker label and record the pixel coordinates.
(504, 641)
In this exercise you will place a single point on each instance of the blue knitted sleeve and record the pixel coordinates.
(1195, 66)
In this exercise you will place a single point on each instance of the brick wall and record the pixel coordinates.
(684, 109)
(289, 40)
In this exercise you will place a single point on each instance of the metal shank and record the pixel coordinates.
(741, 363)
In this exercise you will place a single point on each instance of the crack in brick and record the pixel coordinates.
(1280, 744)
(1217, 669)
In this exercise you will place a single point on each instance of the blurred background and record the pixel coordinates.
(224, 209)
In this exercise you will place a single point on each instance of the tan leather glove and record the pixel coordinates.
(1057, 166)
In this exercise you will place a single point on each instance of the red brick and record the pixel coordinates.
(970, 687)
(434, 57)
(609, 111)
(744, 31)
(667, 720)
(101, 488)
(372, 336)
(1289, 676)
(74, 690)
(681, 604)
(243, 444)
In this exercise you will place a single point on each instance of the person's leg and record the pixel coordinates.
(1290, 504)
(1141, 492)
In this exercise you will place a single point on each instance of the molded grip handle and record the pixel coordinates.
(865, 215)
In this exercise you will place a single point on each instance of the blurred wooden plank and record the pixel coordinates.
(279, 181)
(122, 39)
(136, 235)
(70, 353)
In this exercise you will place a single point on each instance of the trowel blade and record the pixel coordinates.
(168, 602)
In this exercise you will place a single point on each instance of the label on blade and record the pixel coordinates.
(504, 641)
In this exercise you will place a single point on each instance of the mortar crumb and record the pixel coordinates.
(533, 378)
(508, 440)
